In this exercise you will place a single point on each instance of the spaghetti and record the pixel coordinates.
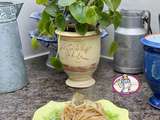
(86, 111)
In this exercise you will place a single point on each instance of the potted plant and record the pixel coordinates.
(77, 23)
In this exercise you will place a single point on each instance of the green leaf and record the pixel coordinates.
(81, 28)
(44, 23)
(66, 2)
(60, 22)
(51, 9)
(99, 4)
(113, 48)
(78, 11)
(91, 15)
(51, 28)
(113, 4)
(45, 16)
(41, 1)
(105, 20)
(35, 43)
(56, 63)
(46, 31)
(116, 19)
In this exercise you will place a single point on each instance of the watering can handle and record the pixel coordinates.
(147, 20)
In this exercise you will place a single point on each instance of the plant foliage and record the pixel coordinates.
(35, 43)
(59, 14)
(82, 15)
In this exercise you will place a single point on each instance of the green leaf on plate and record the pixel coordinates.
(52, 109)
(81, 28)
(78, 11)
(56, 63)
(60, 22)
(41, 1)
(113, 112)
(35, 43)
(66, 2)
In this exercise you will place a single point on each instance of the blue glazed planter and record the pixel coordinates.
(50, 43)
(152, 66)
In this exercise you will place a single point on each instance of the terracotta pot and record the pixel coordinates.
(80, 56)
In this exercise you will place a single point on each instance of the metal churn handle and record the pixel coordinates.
(147, 19)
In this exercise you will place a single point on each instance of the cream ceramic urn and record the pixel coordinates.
(79, 55)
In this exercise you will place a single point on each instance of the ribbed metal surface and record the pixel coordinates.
(129, 56)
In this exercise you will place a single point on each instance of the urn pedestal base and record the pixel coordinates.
(80, 84)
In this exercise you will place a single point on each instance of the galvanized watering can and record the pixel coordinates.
(135, 24)
(12, 68)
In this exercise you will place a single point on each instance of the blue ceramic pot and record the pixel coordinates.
(50, 43)
(152, 66)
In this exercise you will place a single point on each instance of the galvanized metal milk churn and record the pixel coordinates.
(12, 68)
(129, 56)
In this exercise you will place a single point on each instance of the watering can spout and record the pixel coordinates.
(18, 7)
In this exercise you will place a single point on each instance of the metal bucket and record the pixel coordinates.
(129, 56)
(12, 69)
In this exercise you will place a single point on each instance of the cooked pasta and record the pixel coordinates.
(86, 111)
